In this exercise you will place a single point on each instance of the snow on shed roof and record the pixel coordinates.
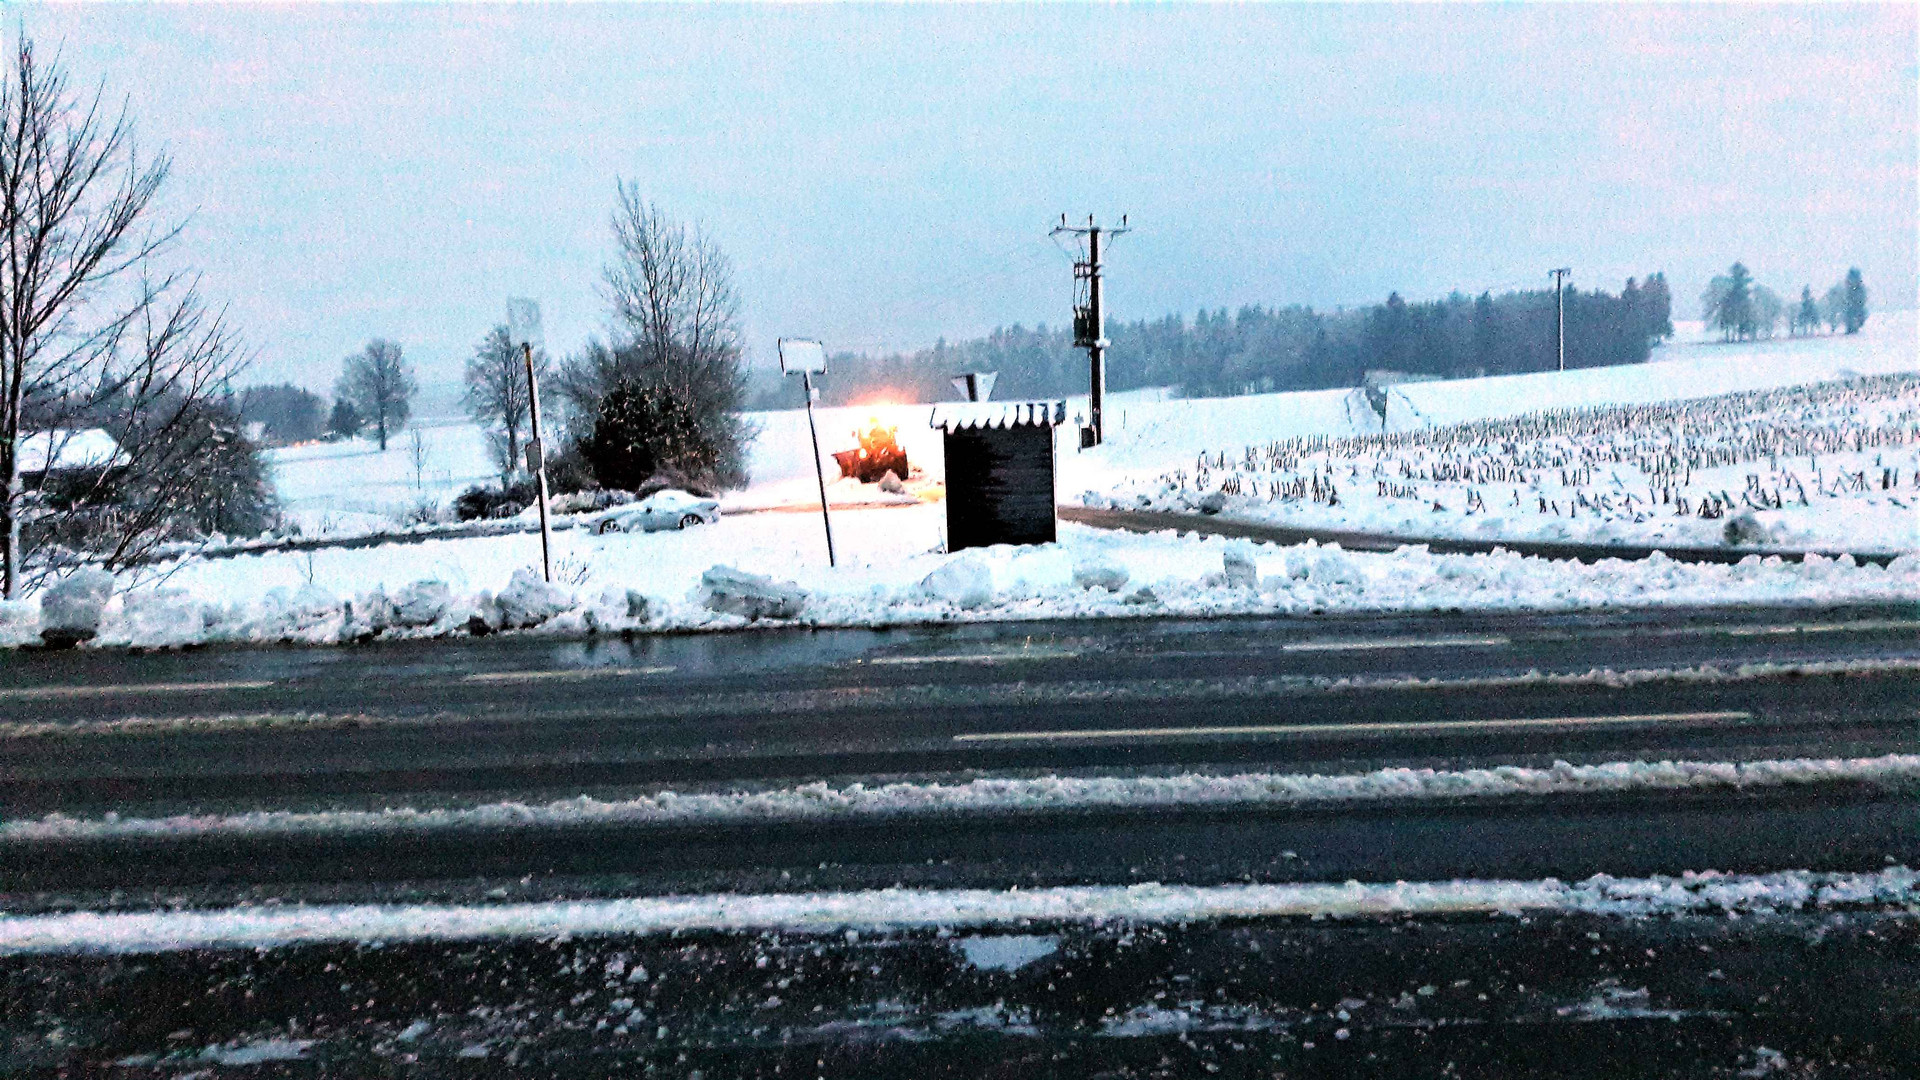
(69, 448)
(955, 415)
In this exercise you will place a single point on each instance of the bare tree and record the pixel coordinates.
(92, 335)
(676, 318)
(379, 383)
(419, 451)
(496, 396)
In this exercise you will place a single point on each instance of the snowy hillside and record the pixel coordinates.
(1174, 434)
(1782, 444)
(353, 487)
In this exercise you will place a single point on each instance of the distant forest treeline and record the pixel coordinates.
(1259, 350)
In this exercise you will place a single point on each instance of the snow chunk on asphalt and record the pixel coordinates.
(163, 618)
(1007, 952)
(422, 603)
(1238, 565)
(979, 577)
(19, 621)
(529, 601)
(1043, 568)
(70, 611)
(1100, 575)
(1331, 566)
(310, 614)
(965, 581)
(751, 596)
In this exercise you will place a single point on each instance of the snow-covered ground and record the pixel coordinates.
(1529, 478)
(352, 487)
(891, 573)
(1833, 466)
(1788, 444)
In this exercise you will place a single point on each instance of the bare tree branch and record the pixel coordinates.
(92, 335)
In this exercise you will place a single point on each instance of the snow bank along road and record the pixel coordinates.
(586, 857)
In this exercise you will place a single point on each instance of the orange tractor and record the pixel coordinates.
(878, 454)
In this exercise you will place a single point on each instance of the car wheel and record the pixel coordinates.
(692, 519)
(606, 527)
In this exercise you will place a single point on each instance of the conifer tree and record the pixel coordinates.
(1856, 301)
(1807, 319)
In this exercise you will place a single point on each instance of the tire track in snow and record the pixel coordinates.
(1051, 794)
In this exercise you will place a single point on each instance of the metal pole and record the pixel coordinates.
(819, 471)
(540, 458)
(1560, 307)
(1097, 354)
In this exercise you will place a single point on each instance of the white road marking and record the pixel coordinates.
(979, 658)
(31, 693)
(1860, 626)
(565, 674)
(1383, 728)
(1362, 644)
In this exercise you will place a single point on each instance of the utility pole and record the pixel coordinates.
(1090, 320)
(1560, 305)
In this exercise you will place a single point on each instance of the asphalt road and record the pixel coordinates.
(450, 725)
(433, 724)
(1571, 997)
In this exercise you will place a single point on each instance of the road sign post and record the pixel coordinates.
(810, 359)
(523, 327)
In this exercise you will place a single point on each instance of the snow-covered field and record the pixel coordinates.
(1173, 434)
(352, 487)
(1785, 444)
(1834, 466)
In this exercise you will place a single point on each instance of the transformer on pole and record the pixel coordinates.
(1090, 320)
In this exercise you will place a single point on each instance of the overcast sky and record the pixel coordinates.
(886, 176)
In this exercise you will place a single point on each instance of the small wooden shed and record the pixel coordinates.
(999, 471)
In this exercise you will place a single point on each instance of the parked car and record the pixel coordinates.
(668, 509)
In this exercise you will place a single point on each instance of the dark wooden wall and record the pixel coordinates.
(999, 486)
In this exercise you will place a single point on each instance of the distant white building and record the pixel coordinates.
(68, 450)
